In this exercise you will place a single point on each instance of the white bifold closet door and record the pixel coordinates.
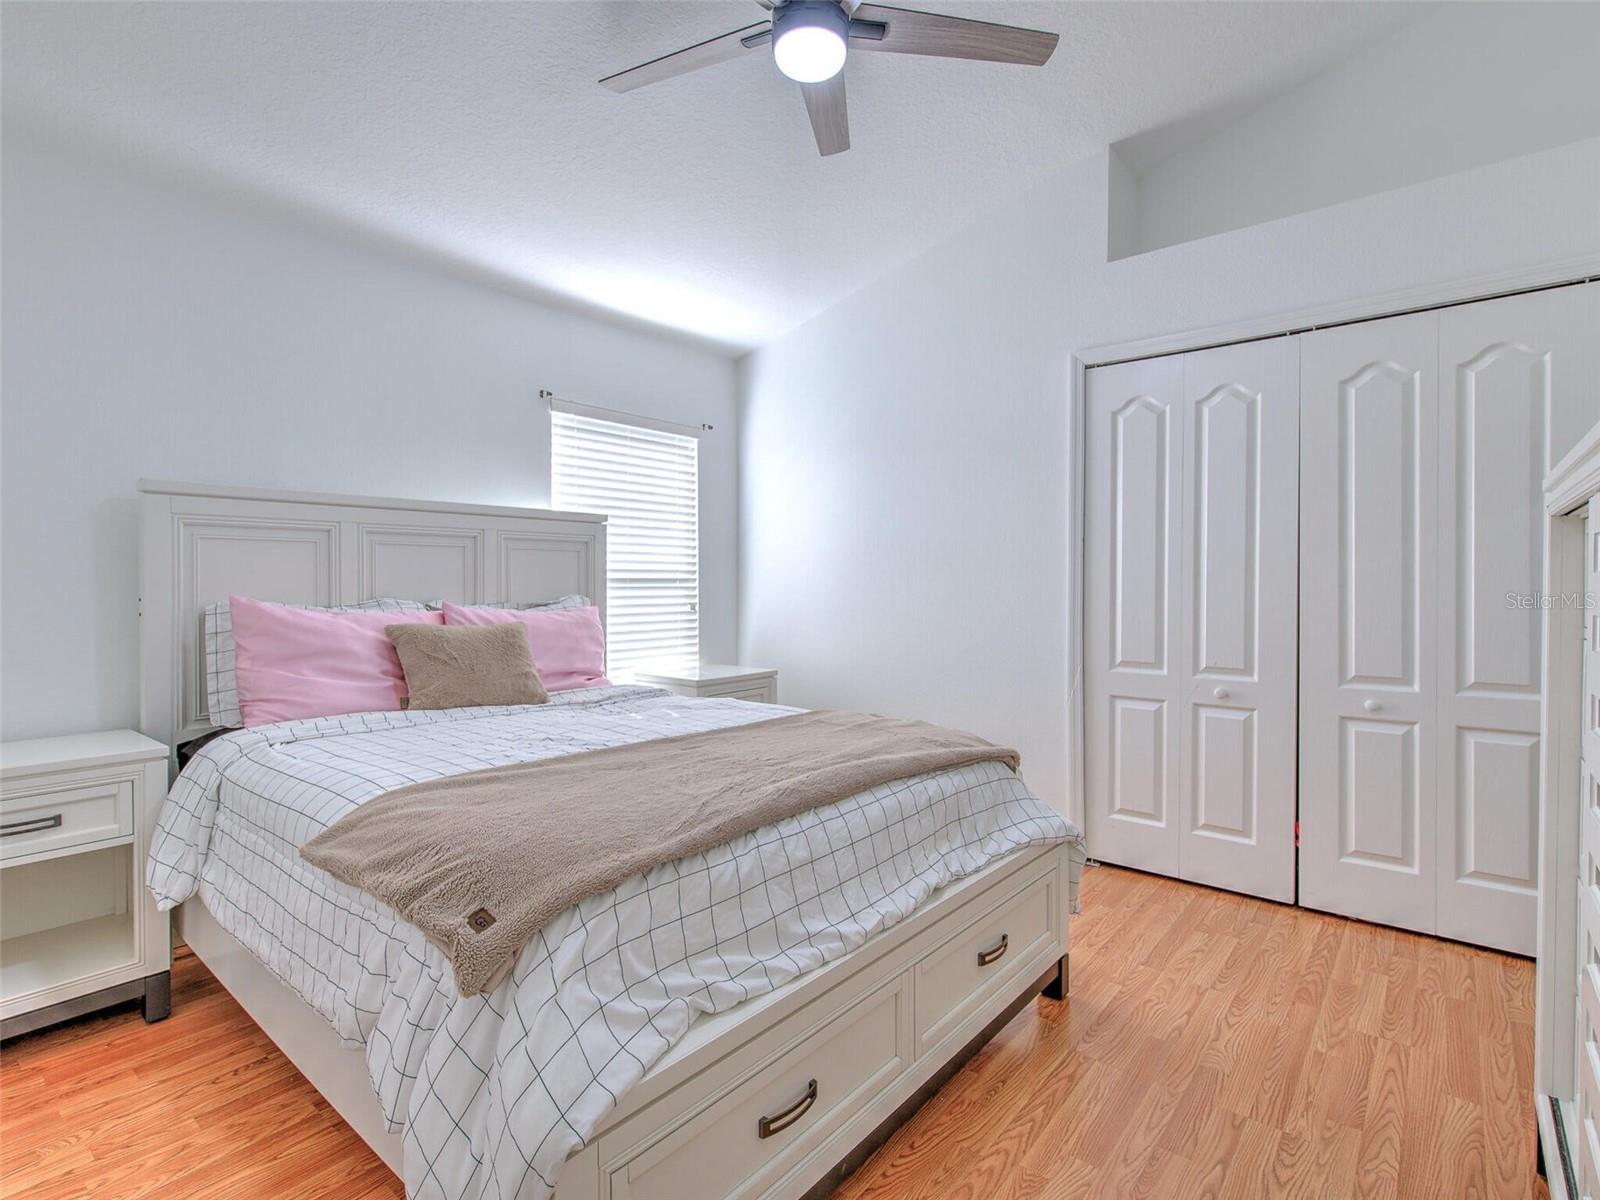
(1519, 384)
(1189, 615)
(1369, 485)
(1426, 440)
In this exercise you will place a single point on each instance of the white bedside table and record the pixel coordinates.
(741, 683)
(78, 929)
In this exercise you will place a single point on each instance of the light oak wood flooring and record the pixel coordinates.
(1212, 1046)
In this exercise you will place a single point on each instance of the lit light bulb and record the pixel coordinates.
(809, 53)
(808, 39)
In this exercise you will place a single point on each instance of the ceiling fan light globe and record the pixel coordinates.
(809, 53)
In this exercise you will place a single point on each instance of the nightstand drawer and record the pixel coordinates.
(757, 695)
(91, 815)
(709, 681)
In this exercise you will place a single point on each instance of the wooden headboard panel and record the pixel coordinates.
(200, 543)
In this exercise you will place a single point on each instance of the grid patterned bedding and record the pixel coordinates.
(493, 1092)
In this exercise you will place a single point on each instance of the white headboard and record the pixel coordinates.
(200, 543)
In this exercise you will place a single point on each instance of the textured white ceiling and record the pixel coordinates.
(477, 132)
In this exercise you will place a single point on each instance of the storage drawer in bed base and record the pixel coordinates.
(1052, 985)
(847, 1155)
(841, 1071)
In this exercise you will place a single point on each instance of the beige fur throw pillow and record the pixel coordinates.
(457, 666)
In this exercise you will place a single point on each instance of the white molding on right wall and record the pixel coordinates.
(1576, 477)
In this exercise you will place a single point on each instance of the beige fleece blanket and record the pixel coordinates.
(481, 862)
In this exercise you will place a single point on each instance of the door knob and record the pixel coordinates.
(1220, 693)
(1372, 706)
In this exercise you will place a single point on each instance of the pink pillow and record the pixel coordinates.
(569, 645)
(302, 662)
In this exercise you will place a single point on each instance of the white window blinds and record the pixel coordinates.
(647, 482)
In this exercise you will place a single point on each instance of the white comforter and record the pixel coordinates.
(494, 1092)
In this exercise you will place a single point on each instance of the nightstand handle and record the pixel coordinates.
(31, 825)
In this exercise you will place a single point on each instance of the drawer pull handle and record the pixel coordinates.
(31, 825)
(767, 1126)
(985, 957)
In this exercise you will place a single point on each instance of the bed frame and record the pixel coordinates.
(777, 1099)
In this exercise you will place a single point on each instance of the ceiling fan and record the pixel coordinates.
(810, 39)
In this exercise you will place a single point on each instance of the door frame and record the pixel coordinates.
(1471, 289)
(1567, 491)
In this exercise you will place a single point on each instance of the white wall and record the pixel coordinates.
(153, 329)
(1465, 85)
(905, 474)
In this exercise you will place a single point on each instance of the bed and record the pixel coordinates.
(773, 1043)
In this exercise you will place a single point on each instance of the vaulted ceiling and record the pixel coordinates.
(476, 132)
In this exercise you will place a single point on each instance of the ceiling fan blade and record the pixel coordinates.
(830, 120)
(692, 58)
(910, 32)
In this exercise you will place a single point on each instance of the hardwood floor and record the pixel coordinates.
(1212, 1046)
(1218, 1046)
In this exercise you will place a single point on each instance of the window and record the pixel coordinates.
(646, 479)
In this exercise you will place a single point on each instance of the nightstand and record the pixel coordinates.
(78, 929)
(741, 683)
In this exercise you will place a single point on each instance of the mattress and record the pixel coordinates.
(493, 1092)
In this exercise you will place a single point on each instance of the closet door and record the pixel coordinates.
(1236, 790)
(1368, 525)
(1133, 451)
(1517, 388)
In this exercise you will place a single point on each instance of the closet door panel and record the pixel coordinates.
(1133, 456)
(1237, 789)
(1368, 517)
(1518, 386)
